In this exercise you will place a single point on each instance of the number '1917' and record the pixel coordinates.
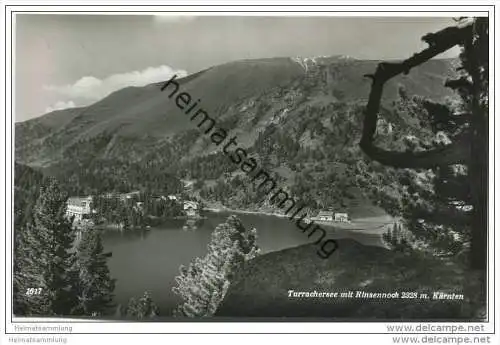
(33, 291)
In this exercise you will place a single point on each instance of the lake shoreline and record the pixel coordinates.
(225, 209)
(371, 225)
(150, 260)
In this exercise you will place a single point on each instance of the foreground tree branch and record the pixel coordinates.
(455, 153)
(469, 147)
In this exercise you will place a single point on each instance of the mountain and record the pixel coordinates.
(301, 116)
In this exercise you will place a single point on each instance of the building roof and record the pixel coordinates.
(79, 201)
(325, 214)
(110, 195)
(190, 204)
(130, 194)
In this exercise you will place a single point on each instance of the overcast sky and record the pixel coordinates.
(74, 60)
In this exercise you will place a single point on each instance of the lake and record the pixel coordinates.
(149, 260)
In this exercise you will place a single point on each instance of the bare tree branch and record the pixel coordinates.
(454, 153)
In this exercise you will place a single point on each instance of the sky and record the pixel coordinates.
(64, 61)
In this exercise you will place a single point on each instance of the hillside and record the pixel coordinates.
(261, 288)
(143, 111)
(301, 118)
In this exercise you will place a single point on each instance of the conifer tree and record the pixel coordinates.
(95, 288)
(27, 184)
(21, 282)
(442, 194)
(143, 307)
(47, 264)
(204, 283)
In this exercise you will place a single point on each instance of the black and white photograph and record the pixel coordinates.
(240, 167)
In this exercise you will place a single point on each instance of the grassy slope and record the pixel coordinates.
(139, 111)
(136, 112)
(260, 289)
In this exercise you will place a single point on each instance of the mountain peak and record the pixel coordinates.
(312, 61)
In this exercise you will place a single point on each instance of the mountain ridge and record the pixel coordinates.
(304, 124)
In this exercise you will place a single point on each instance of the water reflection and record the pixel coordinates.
(191, 225)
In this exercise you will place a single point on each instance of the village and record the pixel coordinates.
(81, 207)
(83, 211)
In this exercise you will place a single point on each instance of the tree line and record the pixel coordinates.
(137, 211)
(54, 274)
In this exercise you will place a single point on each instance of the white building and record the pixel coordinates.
(325, 215)
(78, 207)
(191, 208)
(341, 217)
